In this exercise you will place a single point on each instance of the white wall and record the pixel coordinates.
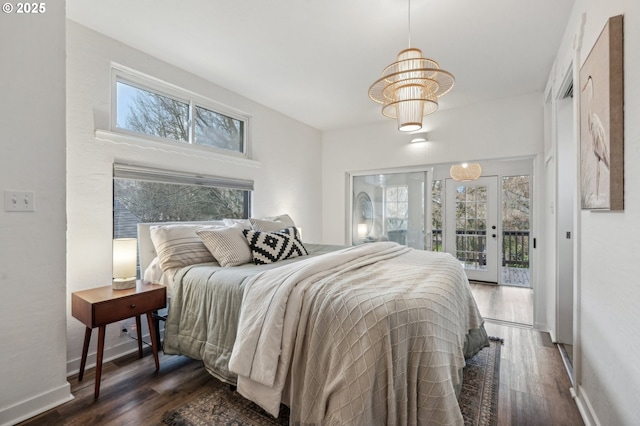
(32, 245)
(506, 128)
(608, 374)
(285, 169)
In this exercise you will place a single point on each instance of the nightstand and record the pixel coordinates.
(100, 306)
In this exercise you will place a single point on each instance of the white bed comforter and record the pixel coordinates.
(371, 334)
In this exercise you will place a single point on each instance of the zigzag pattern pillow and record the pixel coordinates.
(270, 247)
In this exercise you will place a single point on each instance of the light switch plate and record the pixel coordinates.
(19, 201)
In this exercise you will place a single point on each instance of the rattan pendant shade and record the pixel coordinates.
(465, 172)
(409, 89)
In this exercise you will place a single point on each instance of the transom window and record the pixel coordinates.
(149, 108)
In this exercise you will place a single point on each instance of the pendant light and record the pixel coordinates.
(410, 87)
(465, 172)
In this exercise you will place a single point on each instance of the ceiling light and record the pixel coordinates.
(465, 172)
(419, 137)
(410, 87)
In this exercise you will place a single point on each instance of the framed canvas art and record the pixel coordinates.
(602, 121)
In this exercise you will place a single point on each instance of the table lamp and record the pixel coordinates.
(125, 259)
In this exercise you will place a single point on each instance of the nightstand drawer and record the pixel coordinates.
(118, 309)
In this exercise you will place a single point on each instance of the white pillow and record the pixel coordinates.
(272, 224)
(178, 245)
(155, 274)
(227, 245)
(244, 222)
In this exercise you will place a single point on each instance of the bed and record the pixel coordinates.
(369, 334)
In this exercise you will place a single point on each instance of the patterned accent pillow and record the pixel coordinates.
(270, 247)
(227, 245)
(179, 245)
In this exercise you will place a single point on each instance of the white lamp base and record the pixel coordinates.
(123, 283)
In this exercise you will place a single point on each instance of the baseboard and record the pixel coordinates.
(35, 405)
(114, 352)
(586, 409)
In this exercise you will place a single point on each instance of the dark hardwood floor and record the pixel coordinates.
(534, 386)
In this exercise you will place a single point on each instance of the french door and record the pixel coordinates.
(471, 226)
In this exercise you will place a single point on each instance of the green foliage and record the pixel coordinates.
(515, 203)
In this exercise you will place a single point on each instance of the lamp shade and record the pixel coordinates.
(465, 172)
(125, 263)
(410, 87)
(363, 230)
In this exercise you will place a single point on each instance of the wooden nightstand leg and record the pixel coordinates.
(154, 341)
(156, 324)
(101, 330)
(85, 349)
(139, 329)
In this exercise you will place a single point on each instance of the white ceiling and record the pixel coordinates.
(314, 60)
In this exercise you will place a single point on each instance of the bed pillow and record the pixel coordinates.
(270, 247)
(227, 245)
(178, 246)
(246, 224)
(271, 224)
(155, 274)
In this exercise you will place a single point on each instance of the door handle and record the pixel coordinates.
(493, 227)
(493, 235)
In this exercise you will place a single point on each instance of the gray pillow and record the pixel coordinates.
(227, 245)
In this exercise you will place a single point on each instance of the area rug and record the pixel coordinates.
(221, 406)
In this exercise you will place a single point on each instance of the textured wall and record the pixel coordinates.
(32, 245)
(285, 164)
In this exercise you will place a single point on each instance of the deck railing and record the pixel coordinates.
(515, 249)
(515, 246)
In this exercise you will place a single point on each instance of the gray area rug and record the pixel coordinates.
(221, 406)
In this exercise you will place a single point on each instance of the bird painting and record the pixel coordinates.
(597, 134)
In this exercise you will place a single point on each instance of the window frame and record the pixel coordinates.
(142, 81)
(167, 176)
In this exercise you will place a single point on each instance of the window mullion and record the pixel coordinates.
(192, 123)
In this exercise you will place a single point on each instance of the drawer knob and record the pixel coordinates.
(133, 305)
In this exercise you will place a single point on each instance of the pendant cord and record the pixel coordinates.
(409, 20)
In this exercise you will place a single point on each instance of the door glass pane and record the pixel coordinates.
(515, 230)
(436, 215)
(471, 235)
